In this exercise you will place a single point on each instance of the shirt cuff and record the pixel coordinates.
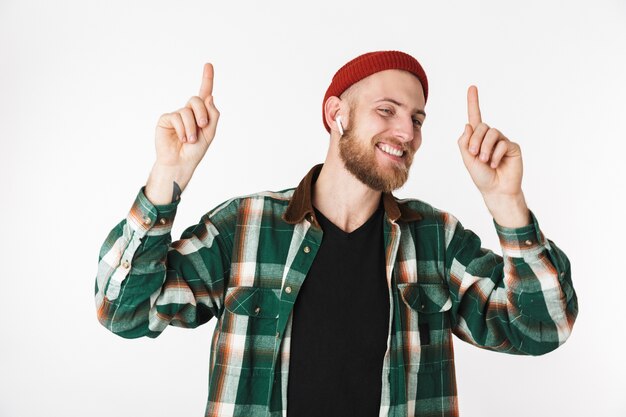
(521, 242)
(146, 218)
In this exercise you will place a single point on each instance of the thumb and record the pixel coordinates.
(214, 115)
(463, 143)
(465, 136)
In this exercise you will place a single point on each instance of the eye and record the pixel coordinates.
(417, 122)
(386, 111)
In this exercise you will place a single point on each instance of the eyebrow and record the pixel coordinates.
(397, 103)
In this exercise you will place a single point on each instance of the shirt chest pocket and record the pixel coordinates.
(426, 308)
(247, 339)
(256, 302)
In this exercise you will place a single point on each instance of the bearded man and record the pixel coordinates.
(336, 298)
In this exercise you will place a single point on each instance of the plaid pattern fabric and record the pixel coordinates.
(246, 259)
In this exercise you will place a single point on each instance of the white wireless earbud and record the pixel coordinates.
(338, 120)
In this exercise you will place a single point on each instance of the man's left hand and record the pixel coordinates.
(495, 165)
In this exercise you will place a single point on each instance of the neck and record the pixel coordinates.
(342, 198)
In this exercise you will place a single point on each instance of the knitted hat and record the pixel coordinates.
(368, 64)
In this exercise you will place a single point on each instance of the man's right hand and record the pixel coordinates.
(182, 139)
(183, 136)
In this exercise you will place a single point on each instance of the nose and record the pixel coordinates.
(403, 129)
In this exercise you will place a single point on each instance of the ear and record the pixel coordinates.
(334, 107)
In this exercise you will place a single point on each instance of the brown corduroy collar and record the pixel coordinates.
(301, 204)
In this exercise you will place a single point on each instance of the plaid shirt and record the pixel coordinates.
(246, 259)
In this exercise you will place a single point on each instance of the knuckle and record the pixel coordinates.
(493, 133)
(195, 100)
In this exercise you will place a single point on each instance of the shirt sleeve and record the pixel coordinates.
(522, 302)
(145, 282)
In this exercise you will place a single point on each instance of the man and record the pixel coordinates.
(335, 298)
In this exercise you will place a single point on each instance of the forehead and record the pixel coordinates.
(400, 85)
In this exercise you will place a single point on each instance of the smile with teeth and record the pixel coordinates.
(390, 150)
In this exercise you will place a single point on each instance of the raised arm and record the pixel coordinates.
(144, 281)
(523, 301)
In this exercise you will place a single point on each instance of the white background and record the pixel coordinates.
(82, 84)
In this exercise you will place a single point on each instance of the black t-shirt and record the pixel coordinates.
(340, 325)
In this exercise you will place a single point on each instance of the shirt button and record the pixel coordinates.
(562, 274)
(257, 310)
(277, 335)
(288, 290)
(146, 220)
(528, 242)
(307, 249)
(125, 264)
(163, 220)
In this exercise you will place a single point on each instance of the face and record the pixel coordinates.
(384, 131)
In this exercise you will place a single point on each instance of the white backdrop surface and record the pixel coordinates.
(82, 84)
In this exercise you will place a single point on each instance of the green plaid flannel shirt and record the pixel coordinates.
(246, 259)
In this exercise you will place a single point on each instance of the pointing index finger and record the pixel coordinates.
(473, 110)
(206, 89)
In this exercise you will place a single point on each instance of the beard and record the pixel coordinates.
(360, 160)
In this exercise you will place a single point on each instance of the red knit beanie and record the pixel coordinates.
(368, 64)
